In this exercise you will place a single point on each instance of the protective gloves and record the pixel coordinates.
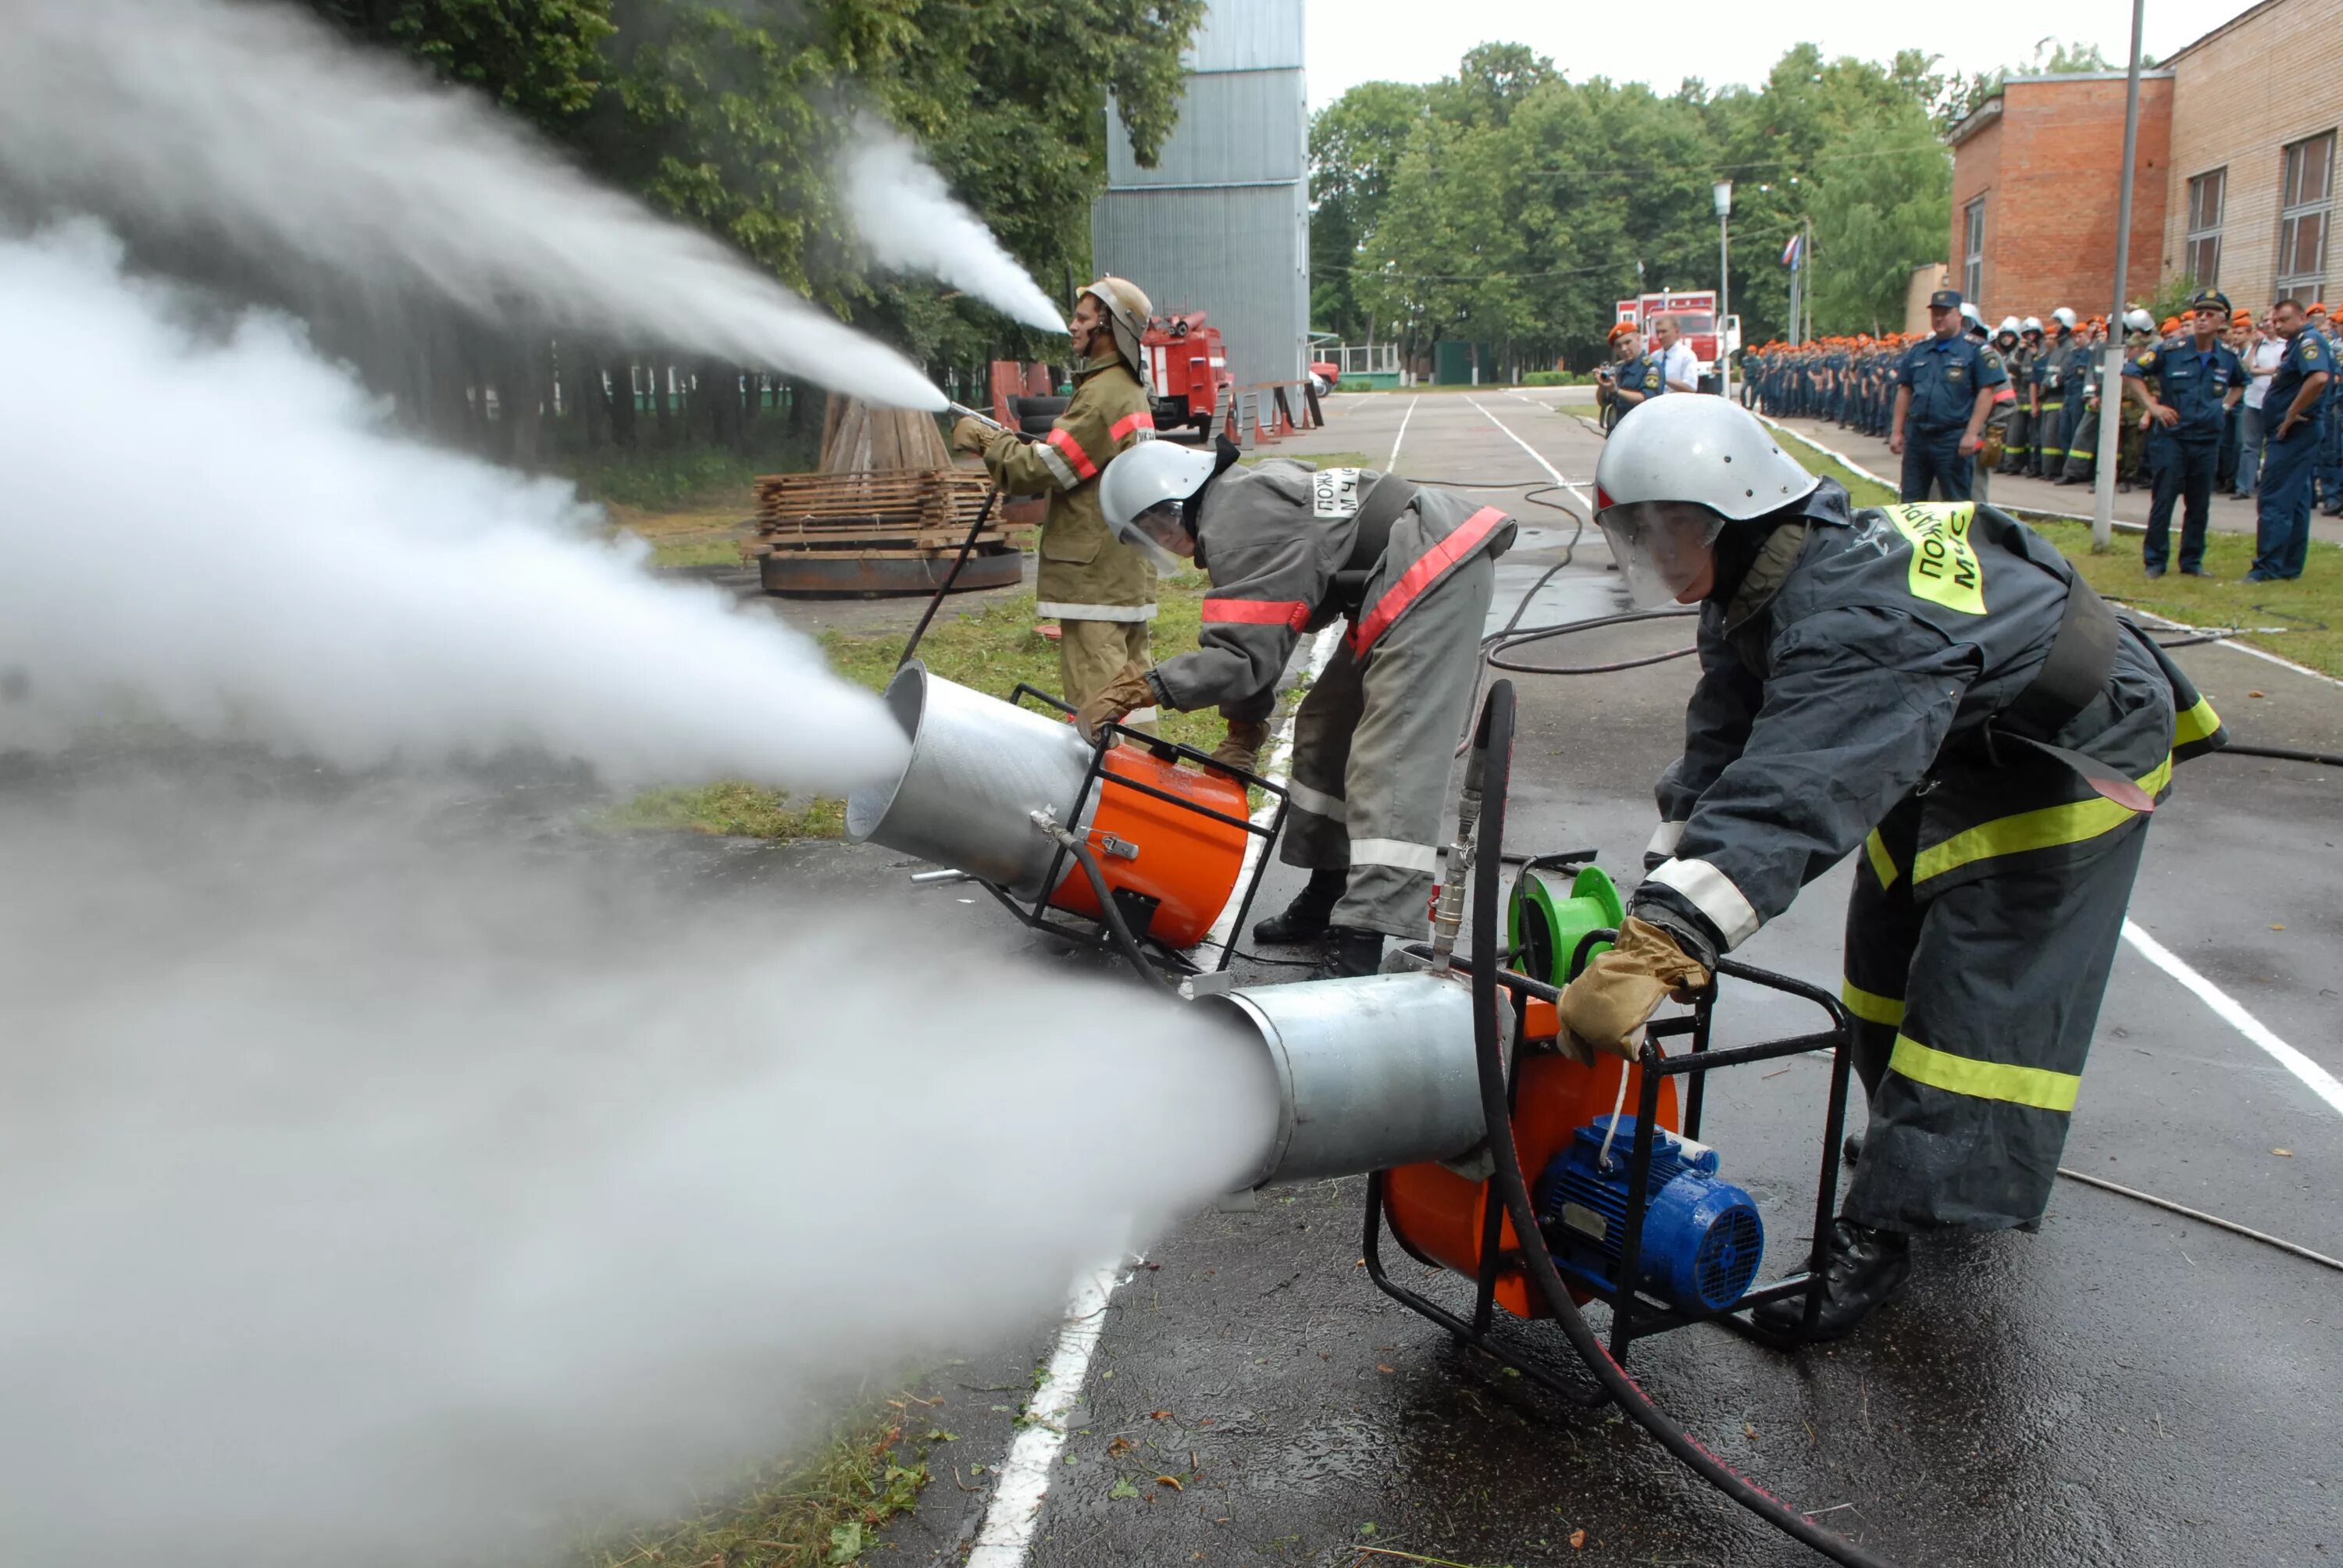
(1130, 688)
(1240, 747)
(1615, 996)
(972, 435)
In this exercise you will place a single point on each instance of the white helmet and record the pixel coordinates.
(1969, 312)
(1151, 476)
(2009, 324)
(2064, 317)
(2138, 320)
(1675, 471)
(2033, 324)
(1127, 309)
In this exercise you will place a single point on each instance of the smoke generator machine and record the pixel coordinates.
(1492, 1149)
(1138, 838)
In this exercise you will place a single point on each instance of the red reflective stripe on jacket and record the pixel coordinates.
(1072, 451)
(1290, 612)
(1142, 420)
(1422, 575)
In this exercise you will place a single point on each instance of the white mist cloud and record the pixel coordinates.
(911, 222)
(377, 1198)
(252, 126)
(223, 528)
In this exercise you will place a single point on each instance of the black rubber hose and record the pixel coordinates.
(1494, 761)
(2283, 753)
(1111, 914)
(935, 602)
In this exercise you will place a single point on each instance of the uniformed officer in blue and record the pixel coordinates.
(2290, 416)
(1943, 391)
(2197, 380)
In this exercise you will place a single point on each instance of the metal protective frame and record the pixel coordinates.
(1633, 1315)
(1080, 927)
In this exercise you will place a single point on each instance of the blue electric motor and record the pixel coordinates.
(1701, 1241)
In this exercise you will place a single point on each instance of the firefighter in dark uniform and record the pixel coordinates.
(1634, 375)
(2187, 385)
(1933, 689)
(1290, 549)
(2016, 418)
(2049, 459)
(2291, 416)
(1944, 390)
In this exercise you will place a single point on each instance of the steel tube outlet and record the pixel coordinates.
(1371, 1072)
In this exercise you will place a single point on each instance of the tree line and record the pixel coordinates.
(1512, 206)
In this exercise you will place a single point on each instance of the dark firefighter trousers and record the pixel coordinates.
(1973, 1013)
(1374, 744)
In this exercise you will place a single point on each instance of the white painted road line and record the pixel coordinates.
(1533, 451)
(2321, 1081)
(1393, 467)
(1015, 1511)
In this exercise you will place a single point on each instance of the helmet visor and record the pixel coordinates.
(1662, 547)
(1156, 534)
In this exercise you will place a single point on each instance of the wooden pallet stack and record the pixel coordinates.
(887, 514)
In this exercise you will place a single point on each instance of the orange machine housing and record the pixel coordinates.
(1187, 861)
(1440, 1215)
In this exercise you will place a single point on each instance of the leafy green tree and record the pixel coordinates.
(1883, 209)
(1355, 144)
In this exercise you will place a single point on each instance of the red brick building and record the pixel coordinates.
(2035, 196)
(2234, 176)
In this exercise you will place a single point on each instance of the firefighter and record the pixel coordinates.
(1101, 592)
(2197, 380)
(1944, 390)
(2049, 458)
(2014, 416)
(1290, 549)
(1935, 688)
(1635, 375)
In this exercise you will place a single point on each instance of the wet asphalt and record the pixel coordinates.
(2126, 1387)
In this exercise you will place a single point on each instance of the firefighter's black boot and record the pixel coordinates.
(1348, 953)
(1866, 1270)
(1304, 920)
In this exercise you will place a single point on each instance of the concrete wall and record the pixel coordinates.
(2269, 76)
(2046, 163)
(1925, 281)
(1222, 222)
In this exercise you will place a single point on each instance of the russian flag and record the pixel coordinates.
(1790, 251)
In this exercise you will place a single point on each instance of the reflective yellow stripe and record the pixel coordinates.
(2034, 1086)
(1870, 1009)
(1883, 864)
(2042, 830)
(2194, 725)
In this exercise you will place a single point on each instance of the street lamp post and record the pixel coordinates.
(1722, 191)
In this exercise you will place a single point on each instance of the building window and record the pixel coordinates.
(2201, 257)
(2304, 200)
(1972, 254)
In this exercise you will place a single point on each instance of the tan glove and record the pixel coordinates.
(1130, 688)
(1615, 996)
(1240, 747)
(972, 435)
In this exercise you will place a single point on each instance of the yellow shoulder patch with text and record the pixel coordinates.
(1945, 569)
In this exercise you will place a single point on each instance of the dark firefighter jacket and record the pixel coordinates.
(1086, 573)
(1282, 544)
(1862, 658)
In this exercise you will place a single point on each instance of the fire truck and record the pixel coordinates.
(1696, 313)
(1189, 370)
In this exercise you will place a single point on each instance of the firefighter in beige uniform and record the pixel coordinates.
(1101, 591)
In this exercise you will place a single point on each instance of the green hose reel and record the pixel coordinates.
(1544, 930)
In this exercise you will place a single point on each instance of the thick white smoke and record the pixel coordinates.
(909, 220)
(250, 125)
(379, 1198)
(223, 527)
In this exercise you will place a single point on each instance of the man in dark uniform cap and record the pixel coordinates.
(1944, 390)
(2198, 379)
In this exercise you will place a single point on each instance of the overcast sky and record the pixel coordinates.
(1719, 41)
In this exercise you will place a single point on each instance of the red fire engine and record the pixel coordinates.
(1696, 313)
(1187, 367)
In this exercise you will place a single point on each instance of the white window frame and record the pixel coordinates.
(1973, 250)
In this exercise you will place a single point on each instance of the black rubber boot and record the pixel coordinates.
(1867, 1269)
(1304, 920)
(1350, 953)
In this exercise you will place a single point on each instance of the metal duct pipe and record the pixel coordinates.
(1371, 1072)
